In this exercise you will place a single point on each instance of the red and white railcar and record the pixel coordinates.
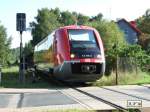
(74, 53)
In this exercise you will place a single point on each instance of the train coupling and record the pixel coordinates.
(88, 68)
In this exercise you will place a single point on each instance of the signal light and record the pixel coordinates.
(72, 55)
(98, 56)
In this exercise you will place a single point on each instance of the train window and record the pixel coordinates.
(84, 39)
(81, 35)
(42, 45)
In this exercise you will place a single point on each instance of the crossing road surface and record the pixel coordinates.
(89, 98)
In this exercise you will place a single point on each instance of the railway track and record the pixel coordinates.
(139, 97)
(71, 86)
(120, 108)
(102, 98)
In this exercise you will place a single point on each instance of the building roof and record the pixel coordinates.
(131, 24)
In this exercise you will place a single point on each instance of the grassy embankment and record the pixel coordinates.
(10, 76)
(124, 79)
(10, 79)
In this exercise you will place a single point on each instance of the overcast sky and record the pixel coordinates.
(111, 9)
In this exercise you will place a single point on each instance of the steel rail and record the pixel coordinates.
(138, 97)
(66, 84)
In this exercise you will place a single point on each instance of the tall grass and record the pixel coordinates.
(10, 79)
(124, 79)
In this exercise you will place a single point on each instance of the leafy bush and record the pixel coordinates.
(135, 51)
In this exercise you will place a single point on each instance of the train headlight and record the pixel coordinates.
(72, 55)
(98, 56)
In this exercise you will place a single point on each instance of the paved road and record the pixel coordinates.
(69, 98)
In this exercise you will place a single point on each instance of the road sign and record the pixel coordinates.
(21, 22)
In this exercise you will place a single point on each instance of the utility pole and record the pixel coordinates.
(21, 26)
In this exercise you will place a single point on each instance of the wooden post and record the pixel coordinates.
(117, 69)
(136, 67)
(116, 52)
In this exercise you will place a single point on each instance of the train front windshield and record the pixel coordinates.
(82, 39)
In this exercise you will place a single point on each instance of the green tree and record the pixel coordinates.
(82, 19)
(67, 18)
(4, 45)
(46, 22)
(144, 41)
(98, 17)
(14, 56)
(28, 49)
(109, 32)
(136, 51)
(49, 19)
(143, 23)
(57, 12)
(28, 53)
(113, 40)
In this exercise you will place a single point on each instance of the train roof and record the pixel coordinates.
(76, 27)
(66, 28)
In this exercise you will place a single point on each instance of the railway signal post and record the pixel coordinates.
(21, 26)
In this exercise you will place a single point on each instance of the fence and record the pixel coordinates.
(127, 68)
(127, 65)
